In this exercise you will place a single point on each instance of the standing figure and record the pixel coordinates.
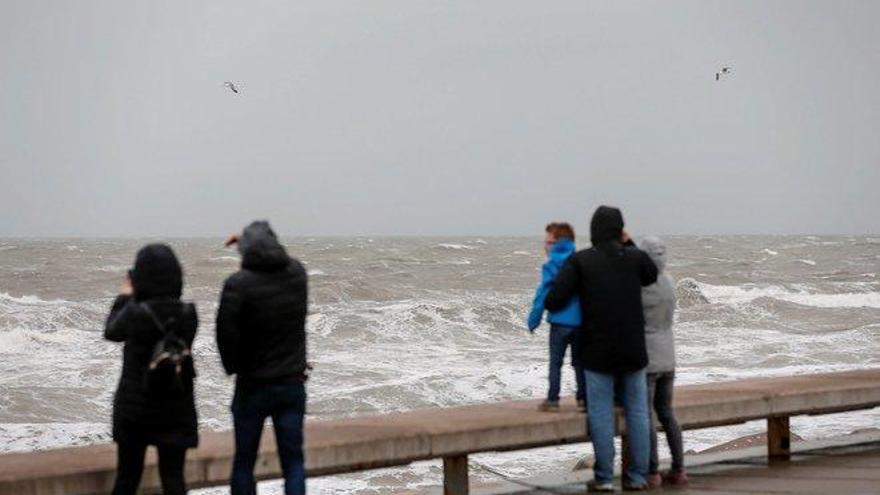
(564, 324)
(659, 303)
(608, 278)
(262, 340)
(154, 403)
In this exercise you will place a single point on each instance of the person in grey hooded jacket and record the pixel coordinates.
(658, 302)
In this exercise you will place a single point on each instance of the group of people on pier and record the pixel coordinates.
(612, 304)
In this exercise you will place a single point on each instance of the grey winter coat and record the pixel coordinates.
(658, 301)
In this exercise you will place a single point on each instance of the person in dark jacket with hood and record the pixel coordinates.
(262, 340)
(608, 278)
(142, 415)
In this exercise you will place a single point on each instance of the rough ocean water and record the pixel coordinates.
(405, 323)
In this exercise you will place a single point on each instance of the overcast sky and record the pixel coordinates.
(427, 117)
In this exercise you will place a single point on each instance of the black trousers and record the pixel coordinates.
(130, 467)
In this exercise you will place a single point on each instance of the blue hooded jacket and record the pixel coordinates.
(570, 316)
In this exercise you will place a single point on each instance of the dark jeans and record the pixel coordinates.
(286, 405)
(660, 386)
(561, 338)
(130, 467)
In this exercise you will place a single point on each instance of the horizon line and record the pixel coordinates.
(407, 235)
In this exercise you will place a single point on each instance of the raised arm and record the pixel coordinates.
(647, 270)
(191, 323)
(115, 328)
(564, 287)
(228, 332)
(534, 319)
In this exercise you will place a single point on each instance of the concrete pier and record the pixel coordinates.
(355, 444)
(847, 465)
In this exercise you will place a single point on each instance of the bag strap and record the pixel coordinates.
(156, 321)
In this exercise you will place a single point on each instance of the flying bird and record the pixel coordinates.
(723, 72)
(231, 86)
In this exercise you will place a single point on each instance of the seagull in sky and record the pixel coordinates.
(231, 86)
(723, 72)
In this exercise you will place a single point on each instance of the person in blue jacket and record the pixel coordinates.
(565, 323)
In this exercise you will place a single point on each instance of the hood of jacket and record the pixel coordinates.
(260, 249)
(561, 250)
(606, 225)
(156, 273)
(656, 249)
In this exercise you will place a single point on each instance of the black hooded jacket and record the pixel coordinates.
(262, 315)
(137, 415)
(608, 278)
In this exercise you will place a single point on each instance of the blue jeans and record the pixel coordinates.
(600, 421)
(561, 338)
(286, 405)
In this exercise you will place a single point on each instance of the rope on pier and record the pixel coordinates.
(515, 481)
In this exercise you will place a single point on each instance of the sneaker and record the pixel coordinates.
(629, 486)
(582, 405)
(654, 480)
(675, 478)
(594, 486)
(549, 406)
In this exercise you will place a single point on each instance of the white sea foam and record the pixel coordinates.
(15, 305)
(393, 333)
(226, 259)
(16, 437)
(111, 268)
(770, 252)
(808, 262)
(18, 340)
(458, 262)
(732, 294)
(316, 273)
(454, 246)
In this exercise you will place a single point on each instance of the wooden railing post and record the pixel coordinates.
(778, 439)
(455, 475)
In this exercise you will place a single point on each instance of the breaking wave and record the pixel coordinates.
(457, 247)
(797, 294)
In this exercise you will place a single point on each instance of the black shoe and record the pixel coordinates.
(582, 405)
(549, 406)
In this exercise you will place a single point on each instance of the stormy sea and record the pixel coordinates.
(405, 323)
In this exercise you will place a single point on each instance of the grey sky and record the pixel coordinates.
(427, 117)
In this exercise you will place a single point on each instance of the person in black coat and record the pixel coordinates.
(143, 416)
(261, 337)
(608, 279)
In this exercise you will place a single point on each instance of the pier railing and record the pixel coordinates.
(451, 434)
